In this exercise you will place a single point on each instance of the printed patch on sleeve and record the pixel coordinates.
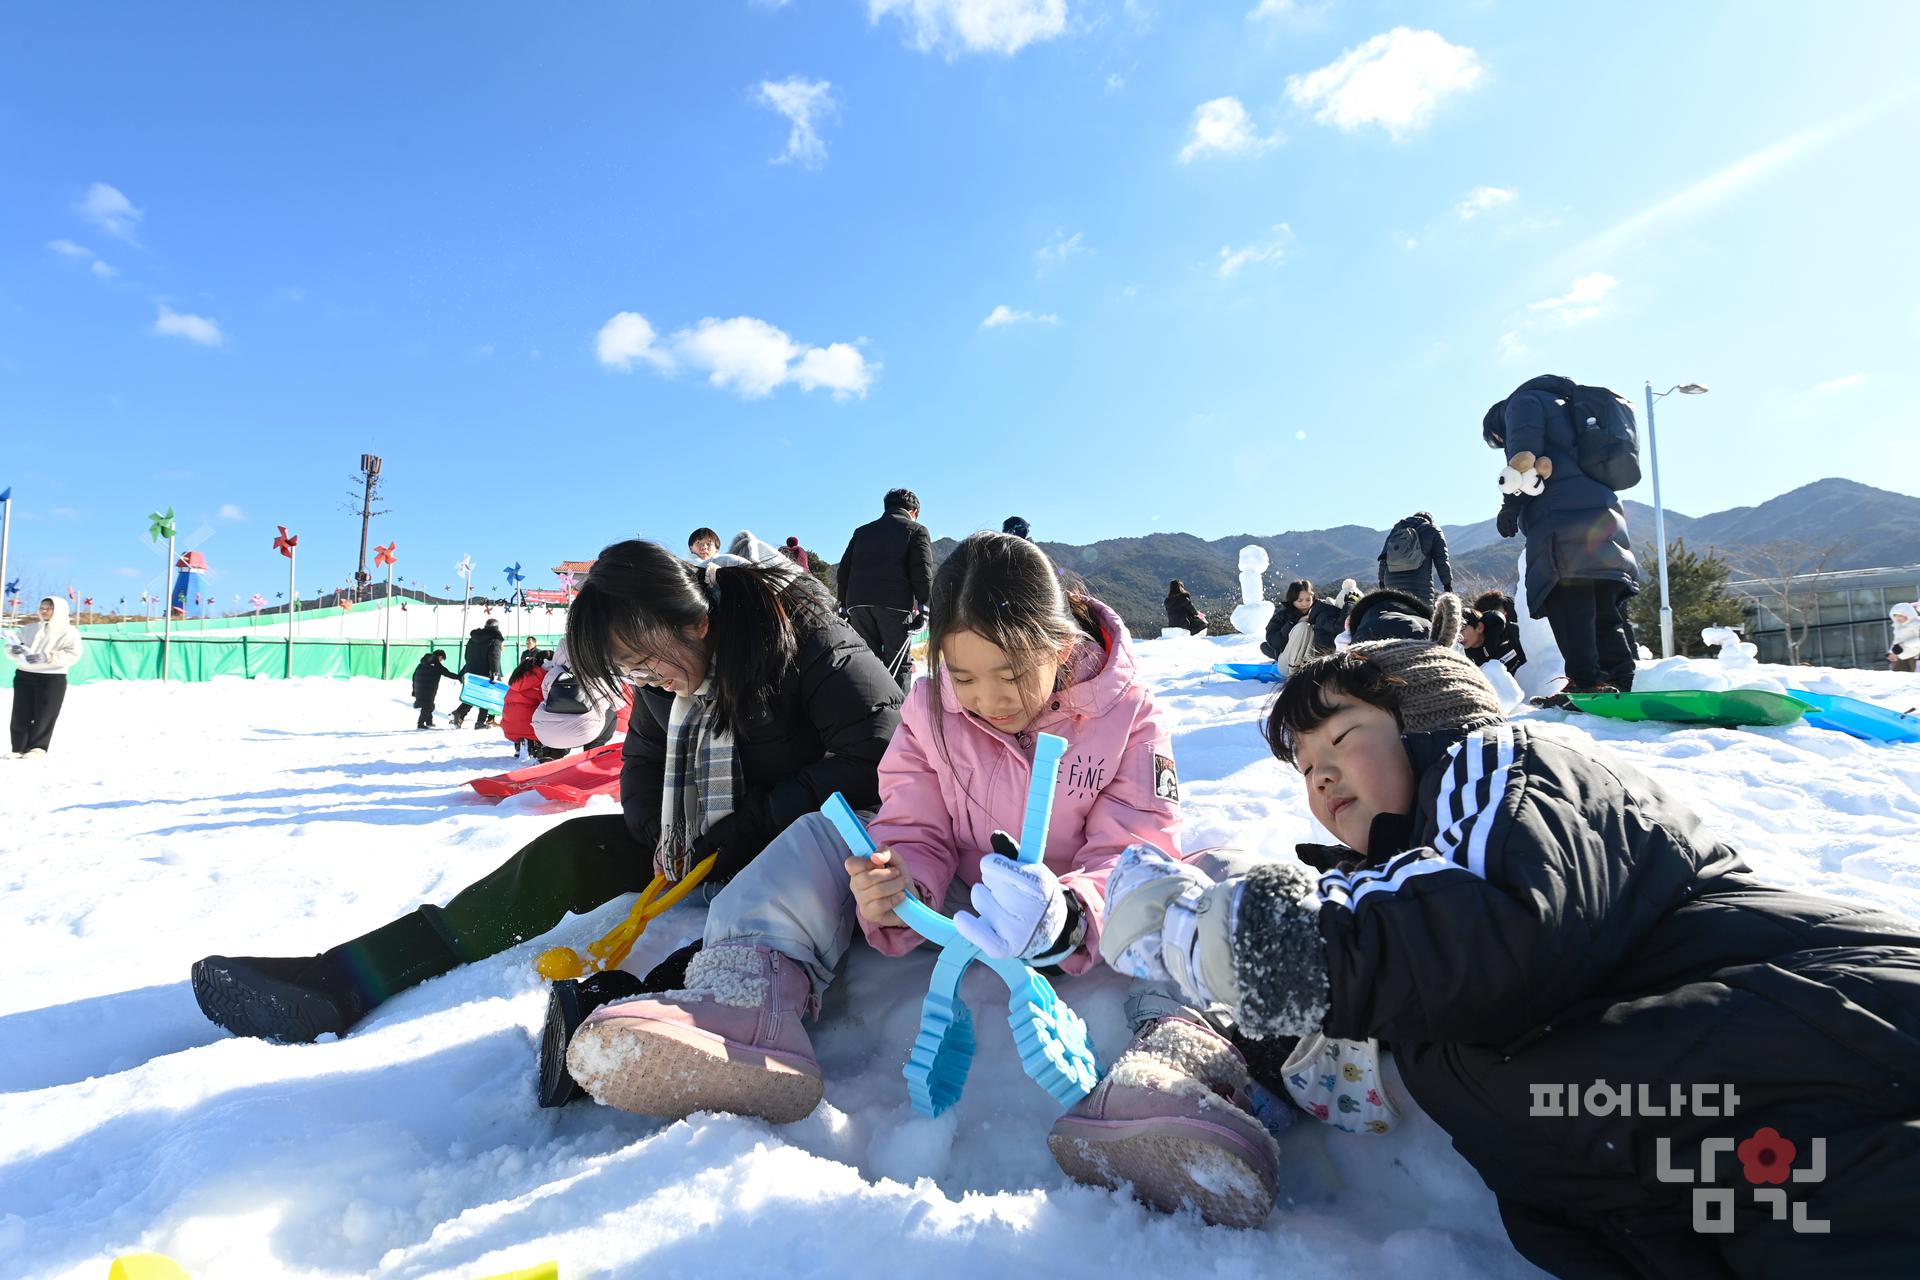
(1166, 780)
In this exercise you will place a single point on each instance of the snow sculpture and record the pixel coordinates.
(1251, 614)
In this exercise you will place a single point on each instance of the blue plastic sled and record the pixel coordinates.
(1265, 672)
(1050, 1036)
(488, 695)
(1859, 719)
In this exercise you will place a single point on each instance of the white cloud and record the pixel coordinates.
(804, 103)
(1060, 248)
(1395, 80)
(1272, 250)
(1003, 316)
(1513, 346)
(105, 270)
(68, 249)
(107, 209)
(1481, 199)
(1293, 13)
(974, 26)
(1222, 125)
(178, 324)
(839, 367)
(1847, 383)
(627, 338)
(125, 572)
(231, 512)
(1583, 301)
(1116, 82)
(744, 354)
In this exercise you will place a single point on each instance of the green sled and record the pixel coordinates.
(1726, 709)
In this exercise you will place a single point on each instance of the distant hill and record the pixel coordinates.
(1861, 526)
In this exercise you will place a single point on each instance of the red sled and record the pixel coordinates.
(571, 779)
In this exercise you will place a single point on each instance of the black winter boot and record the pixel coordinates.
(297, 999)
(571, 1000)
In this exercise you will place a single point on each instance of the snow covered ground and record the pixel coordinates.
(280, 818)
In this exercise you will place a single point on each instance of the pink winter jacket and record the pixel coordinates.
(942, 800)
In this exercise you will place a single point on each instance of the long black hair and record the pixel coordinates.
(648, 600)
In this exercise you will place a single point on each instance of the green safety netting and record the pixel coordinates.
(192, 658)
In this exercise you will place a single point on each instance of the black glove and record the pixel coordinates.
(1324, 857)
(1508, 521)
(731, 838)
(916, 620)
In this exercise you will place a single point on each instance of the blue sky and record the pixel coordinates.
(585, 271)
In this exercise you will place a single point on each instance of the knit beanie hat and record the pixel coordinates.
(1444, 690)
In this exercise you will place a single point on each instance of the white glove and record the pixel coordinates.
(1022, 909)
(1527, 482)
(1142, 892)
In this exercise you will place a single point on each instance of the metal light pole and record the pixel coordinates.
(1660, 511)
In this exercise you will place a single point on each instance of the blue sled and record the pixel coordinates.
(1050, 1036)
(1859, 719)
(1265, 672)
(488, 695)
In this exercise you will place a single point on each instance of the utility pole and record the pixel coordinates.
(370, 479)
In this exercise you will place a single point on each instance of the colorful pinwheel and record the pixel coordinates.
(286, 542)
(384, 555)
(160, 526)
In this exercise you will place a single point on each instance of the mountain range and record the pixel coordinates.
(1831, 524)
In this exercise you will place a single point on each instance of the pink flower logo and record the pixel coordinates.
(1767, 1156)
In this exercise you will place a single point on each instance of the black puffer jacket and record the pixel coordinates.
(1576, 529)
(1181, 612)
(888, 562)
(1550, 917)
(824, 731)
(426, 680)
(483, 651)
(1418, 581)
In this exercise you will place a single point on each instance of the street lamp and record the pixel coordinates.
(1660, 512)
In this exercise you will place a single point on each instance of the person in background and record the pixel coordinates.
(1580, 563)
(1387, 614)
(44, 652)
(1416, 550)
(426, 685)
(793, 551)
(525, 689)
(482, 658)
(1181, 611)
(1018, 527)
(884, 579)
(703, 543)
(1295, 603)
(1490, 632)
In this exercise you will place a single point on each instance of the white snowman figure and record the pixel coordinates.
(1251, 614)
(1906, 629)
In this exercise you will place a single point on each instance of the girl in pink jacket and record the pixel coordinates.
(1013, 655)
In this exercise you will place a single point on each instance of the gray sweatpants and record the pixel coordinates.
(795, 899)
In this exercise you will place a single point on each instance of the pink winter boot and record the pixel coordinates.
(1170, 1120)
(732, 1041)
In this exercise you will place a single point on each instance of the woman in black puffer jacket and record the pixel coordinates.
(755, 649)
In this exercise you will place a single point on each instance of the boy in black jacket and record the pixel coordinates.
(1658, 1063)
(426, 685)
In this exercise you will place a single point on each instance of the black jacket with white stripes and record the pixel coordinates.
(1550, 917)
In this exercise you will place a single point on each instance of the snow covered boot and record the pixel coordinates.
(297, 999)
(1172, 1122)
(570, 1001)
(730, 1042)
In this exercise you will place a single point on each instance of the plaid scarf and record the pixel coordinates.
(697, 787)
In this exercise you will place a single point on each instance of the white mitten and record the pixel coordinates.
(1021, 909)
(1141, 888)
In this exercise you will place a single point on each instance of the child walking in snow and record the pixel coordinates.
(426, 685)
(1525, 919)
(1013, 655)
